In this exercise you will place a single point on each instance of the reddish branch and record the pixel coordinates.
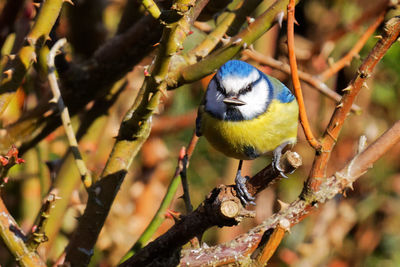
(318, 171)
(354, 51)
(296, 81)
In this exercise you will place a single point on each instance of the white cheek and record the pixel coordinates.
(255, 100)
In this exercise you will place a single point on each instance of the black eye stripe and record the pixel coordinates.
(247, 89)
(219, 87)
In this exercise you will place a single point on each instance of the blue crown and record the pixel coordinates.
(235, 68)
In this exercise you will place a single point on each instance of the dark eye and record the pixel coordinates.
(219, 87)
(247, 89)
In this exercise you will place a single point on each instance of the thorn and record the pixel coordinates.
(173, 215)
(279, 18)
(365, 85)
(19, 161)
(295, 22)
(156, 44)
(190, 32)
(182, 153)
(11, 56)
(340, 105)
(250, 20)
(9, 73)
(350, 185)
(34, 228)
(53, 100)
(30, 41)
(3, 160)
(251, 47)
(378, 37)
(69, 1)
(285, 224)
(146, 71)
(348, 88)
(6, 179)
(283, 205)
(225, 41)
(34, 57)
(37, 5)
(244, 45)
(48, 38)
(237, 41)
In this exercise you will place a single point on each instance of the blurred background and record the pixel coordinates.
(361, 229)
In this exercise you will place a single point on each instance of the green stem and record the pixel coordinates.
(27, 55)
(157, 219)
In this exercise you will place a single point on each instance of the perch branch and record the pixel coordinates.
(244, 247)
(222, 207)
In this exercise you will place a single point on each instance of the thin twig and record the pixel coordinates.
(304, 76)
(38, 235)
(318, 171)
(295, 78)
(158, 218)
(332, 70)
(66, 120)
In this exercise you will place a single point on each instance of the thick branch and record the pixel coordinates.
(222, 207)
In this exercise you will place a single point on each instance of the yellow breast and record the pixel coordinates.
(263, 134)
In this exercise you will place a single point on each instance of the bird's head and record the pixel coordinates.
(237, 92)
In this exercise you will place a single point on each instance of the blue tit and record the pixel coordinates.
(246, 113)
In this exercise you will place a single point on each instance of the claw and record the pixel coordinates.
(277, 158)
(245, 197)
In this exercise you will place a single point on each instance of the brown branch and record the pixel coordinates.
(295, 78)
(222, 207)
(244, 247)
(304, 76)
(344, 61)
(318, 171)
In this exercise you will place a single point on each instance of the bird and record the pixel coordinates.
(245, 114)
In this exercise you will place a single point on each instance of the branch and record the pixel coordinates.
(314, 82)
(133, 132)
(240, 41)
(245, 248)
(184, 157)
(66, 120)
(13, 238)
(221, 208)
(295, 78)
(332, 70)
(318, 171)
(38, 235)
(27, 55)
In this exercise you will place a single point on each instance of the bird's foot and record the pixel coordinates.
(245, 197)
(277, 154)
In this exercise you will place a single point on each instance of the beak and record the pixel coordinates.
(233, 101)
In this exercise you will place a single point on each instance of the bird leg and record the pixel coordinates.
(277, 158)
(245, 197)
